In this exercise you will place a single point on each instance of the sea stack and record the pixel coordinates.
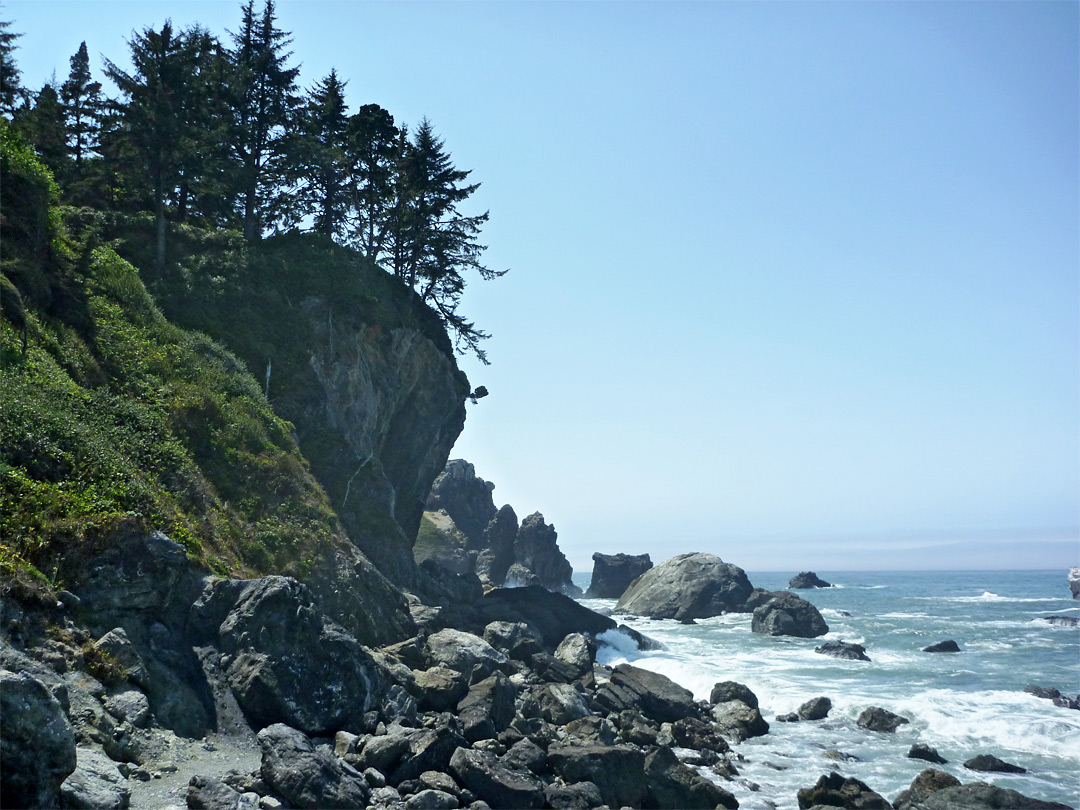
(808, 579)
(613, 573)
(1074, 582)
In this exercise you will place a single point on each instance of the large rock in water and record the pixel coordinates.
(613, 573)
(465, 497)
(808, 579)
(654, 695)
(786, 614)
(690, 586)
(835, 790)
(1074, 582)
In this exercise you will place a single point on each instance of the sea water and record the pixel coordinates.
(962, 704)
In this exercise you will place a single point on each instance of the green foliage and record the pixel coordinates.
(102, 665)
(114, 416)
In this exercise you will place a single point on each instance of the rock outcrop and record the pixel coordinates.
(808, 579)
(785, 614)
(834, 790)
(843, 649)
(689, 586)
(613, 573)
(465, 497)
(1074, 582)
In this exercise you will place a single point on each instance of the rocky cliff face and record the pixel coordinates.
(379, 420)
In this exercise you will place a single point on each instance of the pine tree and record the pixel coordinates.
(12, 94)
(322, 168)
(263, 97)
(82, 105)
(436, 243)
(372, 146)
(44, 128)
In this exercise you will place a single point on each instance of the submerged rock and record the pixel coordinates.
(991, 764)
(613, 573)
(690, 586)
(808, 579)
(948, 646)
(1062, 621)
(1054, 695)
(815, 709)
(834, 790)
(844, 649)
(877, 719)
(925, 752)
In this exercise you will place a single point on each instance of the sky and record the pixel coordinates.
(796, 284)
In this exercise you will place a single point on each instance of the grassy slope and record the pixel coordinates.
(113, 414)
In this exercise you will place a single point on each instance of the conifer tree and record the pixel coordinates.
(44, 127)
(12, 94)
(321, 164)
(82, 105)
(372, 146)
(263, 97)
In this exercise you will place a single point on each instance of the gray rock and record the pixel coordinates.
(439, 688)
(925, 752)
(618, 771)
(1074, 582)
(577, 796)
(438, 780)
(37, 744)
(981, 796)
(1061, 621)
(1054, 696)
(497, 554)
(306, 776)
(808, 579)
(690, 586)
(95, 784)
(557, 703)
(209, 793)
(736, 720)
(140, 573)
(675, 785)
(698, 735)
(537, 548)
(654, 695)
(815, 709)
(875, 718)
(130, 705)
(843, 649)
(428, 750)
(991, 764)
(552, 615)
(118, 646)
(494, 782)
(948, 646)
(786, 614)
(613, 573)
(466, 498)
(589, 731)
(289, 663)
(834, 790)
(928, 781)
(488, 708)
(430, 799)
(516, 639)
(732, 690)
(383, 751)
(578, 652)
(525, 755)
(463, 652)
(519, 576)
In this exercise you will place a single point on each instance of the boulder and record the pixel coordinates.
(947, 646)
(737, 721)
(988, 763)
(525, 755)
(875, 718)
(613, 573)
(732, 690)
(834, 790)
(519, 576)
(488, 708)
(552, 615)
(288, 662)
(537, 548)
(578, 652)
(697, 735)
(429, 749)
(808, 579)
(578, 796)
(95, 784)
(557, 703)
(1074, 582)
(439, 688)
(495, 782)
(441, 542)
(118, 646)
(430, 799)
(516, 639)
(843, 649)
(815, 709)
(129, 705)
(618, 771)
(306, 776)
(463, 652)
(925, 752)
(654, 695)
(690, 586)
(786, 614)
(210, 793)
(982, 796)
(465, 497)
(672, 784)
(37, 744)
(929, 781)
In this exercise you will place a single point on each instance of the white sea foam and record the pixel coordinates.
(987, 596)
(860, 587)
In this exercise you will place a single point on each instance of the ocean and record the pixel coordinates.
(962, 704)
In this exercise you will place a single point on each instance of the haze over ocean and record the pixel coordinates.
(795, 284)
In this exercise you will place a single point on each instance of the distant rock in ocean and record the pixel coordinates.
(689, 586)
(844, 649)
(1074, 582)
(1062, 621)
(808, 579)
(948, 646)
(613, 573)
(785, 614)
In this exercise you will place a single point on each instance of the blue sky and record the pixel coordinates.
(792, 283)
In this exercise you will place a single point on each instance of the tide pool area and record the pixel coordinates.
(963, 704)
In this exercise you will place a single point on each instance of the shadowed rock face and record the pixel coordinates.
(690, 586)
(613, 573)
(808, 579)
(465, 497)
(786, 614)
